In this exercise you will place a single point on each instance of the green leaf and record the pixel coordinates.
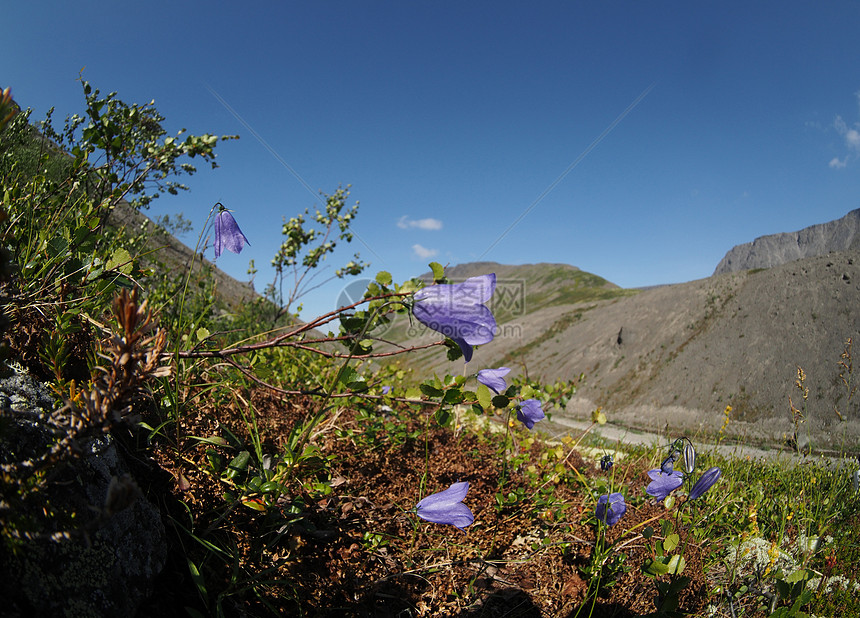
(652, 567)
(57, 246)
(238, 465)
(95, 273)
(431, 391)
(454, 351)
(800, 575)
(453, 395)
(383, 278)
(665, 527)
(675, 565)
(500, 401)
(438, 271)
(443, 417)
(120, 260)
(413, 394)
(671, 542)
(358, 385)
(347, 375)
(197, 578)
(270, 487)
(215, 459)
(485, 396)
(665, 565)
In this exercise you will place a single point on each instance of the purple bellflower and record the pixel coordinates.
(663, 484)
(705, 482)
(446, 507)
(227, 234)
(494, 379)
(606, 462)
(457, 310)
(529, 412)
(610, 508)
(668, 465)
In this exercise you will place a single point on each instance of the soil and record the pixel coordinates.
(361, 551)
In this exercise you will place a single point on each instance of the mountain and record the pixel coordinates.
(774, 249)
(521, 290)
(526, 288)
(670, 359)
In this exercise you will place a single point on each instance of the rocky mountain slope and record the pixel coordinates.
(670, 359)
(521, 290)
(774, 249)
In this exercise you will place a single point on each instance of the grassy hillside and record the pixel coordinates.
(524, 295)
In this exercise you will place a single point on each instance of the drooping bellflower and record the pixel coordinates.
(668, 465)
(457, 310)
(606, 462)
(529, 412)
(494, 379)
(663, 484)
(610, 508)
(446, 507)
(227, 234)
(705, 482)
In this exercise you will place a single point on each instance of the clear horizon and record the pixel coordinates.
(636, 142)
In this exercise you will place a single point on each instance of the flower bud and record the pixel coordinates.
(689, 457)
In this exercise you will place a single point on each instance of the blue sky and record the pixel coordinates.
(451, 120)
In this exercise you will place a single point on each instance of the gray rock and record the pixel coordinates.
(775, 249)
(91, 556)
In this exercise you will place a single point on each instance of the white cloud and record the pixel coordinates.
(423, 252)
(836, 164)
(851, 135)
(405, 223)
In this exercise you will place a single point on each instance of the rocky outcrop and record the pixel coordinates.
(83, 541)
(775, 249)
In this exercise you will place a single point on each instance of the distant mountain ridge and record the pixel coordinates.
(670, 359)
(775, 249)
(522, 290)
(525, 288)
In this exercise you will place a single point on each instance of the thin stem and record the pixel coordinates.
(328, 394)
